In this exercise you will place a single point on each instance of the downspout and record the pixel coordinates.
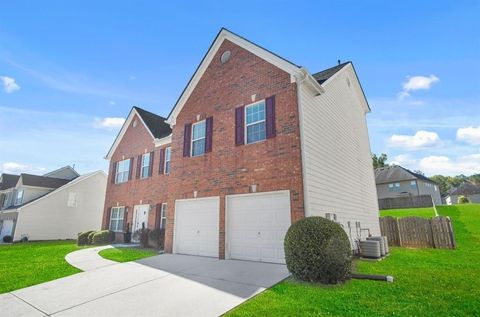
(300, 81)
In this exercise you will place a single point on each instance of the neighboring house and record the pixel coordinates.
(395, 181)
(48, 208)
(253, 144)
(467, 189)
(7, 186)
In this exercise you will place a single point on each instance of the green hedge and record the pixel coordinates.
(318, 250)
(103, 237)
(90, 236)
(82, 238)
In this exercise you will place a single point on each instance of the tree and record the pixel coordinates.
(379, 161)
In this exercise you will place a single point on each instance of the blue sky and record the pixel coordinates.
(69, 71)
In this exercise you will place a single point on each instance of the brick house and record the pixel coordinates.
(253, 144)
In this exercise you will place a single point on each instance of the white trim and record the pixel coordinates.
(253, 48)
(245, 124)
(110, 219)
(123, 130)
(162, 215)
(204, 138)
(163, 141)
(67, 185)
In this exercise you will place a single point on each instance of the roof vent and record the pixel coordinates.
(225, 57)
(134, 123)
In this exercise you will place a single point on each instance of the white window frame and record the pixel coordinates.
(145, 166)
(8, 198)
(256, 122)
(163, 216)
(413, 184)
(127, 172)
(168, 157)
(117, 219)
(204, 138)
(19, 198)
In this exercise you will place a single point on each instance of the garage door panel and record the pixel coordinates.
(197, 226)
(257, 225)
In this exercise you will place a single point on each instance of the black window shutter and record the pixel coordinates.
(125, 223)
(130, 169)
(150, 172)
(158, 215)
(239, 125)
(208, 134)
(186, 139)
(107, 219)
(113, 170)
(270, 120)
(162, 162)
(139, 165)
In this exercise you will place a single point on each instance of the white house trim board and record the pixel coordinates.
(122, 132)
(223, 35)
(163, 141)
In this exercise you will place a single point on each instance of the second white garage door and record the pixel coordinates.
(197, 226)
(256, 226)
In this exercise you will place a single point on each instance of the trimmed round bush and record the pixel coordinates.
(82, 238)
(103, 237)
(7, 239)
(156, 237)
(463, 200)
(318, 250)
(90, 236)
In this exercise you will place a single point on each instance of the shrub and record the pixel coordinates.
(318, 250)
(24, 239)
(7, 239)
(143, 237)
(156, 238)
(82, 238)
(463, 200)
(90, 236)
(103, 237)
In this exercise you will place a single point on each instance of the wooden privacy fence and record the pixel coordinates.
(419, 232)
(405, 202)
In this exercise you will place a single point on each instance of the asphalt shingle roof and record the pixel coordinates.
(42, 181)
(155, 123)
(396, 173)
(465, 189)
(324, 75)
(8, 181)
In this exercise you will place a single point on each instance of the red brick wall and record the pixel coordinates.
(152, 190)
(274, 164)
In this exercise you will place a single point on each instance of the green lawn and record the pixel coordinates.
(31, 263)
(418, 212)
(428, 282)
(126, 254)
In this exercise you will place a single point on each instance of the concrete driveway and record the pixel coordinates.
(164, 285)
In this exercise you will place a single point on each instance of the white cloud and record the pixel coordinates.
(112, 103)
(470, 135)
(17, 168)
(420, 139)
(9, 84)
(417, 83)
(109, 122)
(404, 160)
(467, 164)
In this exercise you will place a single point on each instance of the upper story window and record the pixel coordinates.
(168, 154)
(116, 218)
(394, 186)
(123, 171)
(198, 138)
(255, 127)
(413, 183)
(19, 198)
(145, 167)
(8, 198)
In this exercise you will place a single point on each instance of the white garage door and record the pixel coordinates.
(7, 228)
(257, 224)
(197, 226)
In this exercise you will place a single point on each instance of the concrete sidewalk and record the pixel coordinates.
(88, 259)
(164, 285)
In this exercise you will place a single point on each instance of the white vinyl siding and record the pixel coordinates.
(198, 138)
(338, 172)
(123, 171)
(168, 154)
(72, 199)
(116, 218)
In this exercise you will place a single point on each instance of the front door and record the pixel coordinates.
(140, 220)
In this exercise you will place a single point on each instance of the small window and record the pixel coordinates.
(163, 216)
(168, 154)
(145, 168)
(123, 170)
(19, 199)
(255, 126)
(397, 185)
(436, 188)
(7, 200)
(198, 138)
(116, 219)
(413, 183)
(390, 187)
(72, 199)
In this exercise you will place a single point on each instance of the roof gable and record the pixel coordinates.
(396, 173)
(42, 181)
(8, 181)
(154, 124)
(294, 70)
